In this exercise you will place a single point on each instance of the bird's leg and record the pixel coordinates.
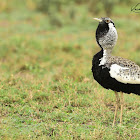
(121, 93)
(116, 107)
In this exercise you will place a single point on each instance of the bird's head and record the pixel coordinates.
(106, 34)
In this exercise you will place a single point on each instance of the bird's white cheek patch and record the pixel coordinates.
(123, 75)
(111, 25)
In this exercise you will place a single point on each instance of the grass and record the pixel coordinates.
(47, 90)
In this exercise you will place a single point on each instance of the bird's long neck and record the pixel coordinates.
(107, 52)
(106, 55)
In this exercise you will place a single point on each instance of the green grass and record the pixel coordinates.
(47, 90)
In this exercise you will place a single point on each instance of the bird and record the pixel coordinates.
(113, 72)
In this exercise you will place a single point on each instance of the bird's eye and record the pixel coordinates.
(107, 21)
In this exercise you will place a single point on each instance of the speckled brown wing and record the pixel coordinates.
(124, 70)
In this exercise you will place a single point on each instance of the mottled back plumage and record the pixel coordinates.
(124, 70)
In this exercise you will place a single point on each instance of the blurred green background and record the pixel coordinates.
(47, 89)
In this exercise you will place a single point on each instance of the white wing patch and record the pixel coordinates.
(124, 74)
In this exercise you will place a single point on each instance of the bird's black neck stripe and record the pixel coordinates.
(101, 31)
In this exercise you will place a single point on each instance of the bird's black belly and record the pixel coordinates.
(102, 76)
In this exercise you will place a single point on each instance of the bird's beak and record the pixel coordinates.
(98, 19)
